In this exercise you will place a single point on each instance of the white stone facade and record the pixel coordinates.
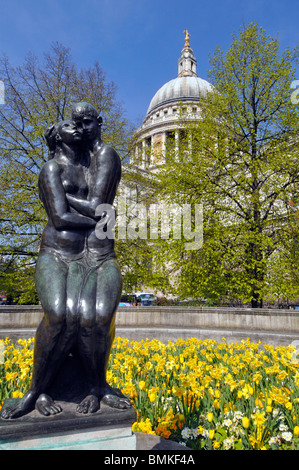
(161, 123)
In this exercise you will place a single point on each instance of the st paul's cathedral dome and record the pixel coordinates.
(161, 120)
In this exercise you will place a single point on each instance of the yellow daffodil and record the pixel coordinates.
(141, 385)
(185, 380)
(216, 445)
(245, 422)
(258, 418)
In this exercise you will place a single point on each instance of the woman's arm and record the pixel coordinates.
(84, 206)
(106, 177)
(54, 199)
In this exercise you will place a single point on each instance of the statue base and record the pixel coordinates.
(106, 429)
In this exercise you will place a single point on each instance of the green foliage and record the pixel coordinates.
(243, 167)
(38, 94)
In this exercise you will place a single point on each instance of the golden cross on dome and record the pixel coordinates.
(187, 36)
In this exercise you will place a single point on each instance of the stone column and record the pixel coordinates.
(143, 157)
(176, 139)
(164, 146)
(152, 156)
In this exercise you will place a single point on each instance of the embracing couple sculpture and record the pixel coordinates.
(78, 279)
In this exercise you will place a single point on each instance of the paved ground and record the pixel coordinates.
(152, 442)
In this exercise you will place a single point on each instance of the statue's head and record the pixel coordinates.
(63, 131)
(87, 118)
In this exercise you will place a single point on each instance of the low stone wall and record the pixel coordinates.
(278, 327)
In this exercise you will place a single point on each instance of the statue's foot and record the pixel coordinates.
(90, 404)
(115, 401)
(47, 406)
(20, 407)
(114, 398)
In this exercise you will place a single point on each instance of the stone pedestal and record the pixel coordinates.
(107, 429)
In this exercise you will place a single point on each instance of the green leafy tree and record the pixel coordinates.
(241, 162)
(38, 94)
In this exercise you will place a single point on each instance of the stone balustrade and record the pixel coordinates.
(272, 326)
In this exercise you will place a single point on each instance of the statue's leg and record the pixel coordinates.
(50, 281)
(50, 284)
(67, 340)
(99, 300)
(86, 341)
(109, 286)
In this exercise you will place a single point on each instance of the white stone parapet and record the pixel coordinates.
(273, 326)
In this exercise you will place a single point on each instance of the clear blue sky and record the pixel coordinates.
(138, 42)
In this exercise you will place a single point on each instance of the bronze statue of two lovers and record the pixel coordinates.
(78, 279)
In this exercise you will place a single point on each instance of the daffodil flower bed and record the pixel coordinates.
(201, 393)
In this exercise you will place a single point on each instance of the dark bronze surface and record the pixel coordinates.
(78, 279)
